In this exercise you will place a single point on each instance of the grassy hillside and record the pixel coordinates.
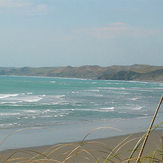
(133, 72)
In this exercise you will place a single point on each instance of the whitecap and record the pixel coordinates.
(46, 116)
(54, 103)
(134, 98)
(43, 95)
(94, 110)
(92, 102)
(109, 108)
(141, 82)
(97, 95)
(46, 111)
(161, 84)
(31, 99)
(7, 95)
(74, 92)
(31, 111)
(6, 125)
(94, 82)
(137, 108)
(53, 82)
(29, 93)
(59, 96)
(8, 102)
(9, 114)
(95, 90)
(112, 88)
(61, 115)
(157, 88)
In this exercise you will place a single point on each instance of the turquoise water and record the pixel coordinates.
(73, 106)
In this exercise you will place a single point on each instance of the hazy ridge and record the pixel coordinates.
(133, 72)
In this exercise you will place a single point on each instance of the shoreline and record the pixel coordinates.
(75, 78)
(95, 147)
(138, 72)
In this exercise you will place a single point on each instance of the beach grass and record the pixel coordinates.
(108, 150)
(117, 149)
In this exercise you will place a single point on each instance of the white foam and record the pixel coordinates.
(157, 88)
(54, 103)
(6, 125)
(92, 102)
(9, 102)
(89, 110)
(141, 82)
(161, 84)
(95, 90)
(97, 95)
(134, 98)
(7, 95)
(31, 111)
(46, 111)
(74, 92)
(29, 93)
(137, 108)
(53, 82)
(61, 110)
(108, 109)
(43, 95)
(9, 114)
(46, 116)
(112, 88)
(31, 99)
(94, 82)
(59, 96)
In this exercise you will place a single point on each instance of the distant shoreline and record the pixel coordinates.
(127, 73)
(55, 77)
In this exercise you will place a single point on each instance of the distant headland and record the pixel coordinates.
(116, 72)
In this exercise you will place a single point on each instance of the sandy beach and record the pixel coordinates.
(88, 151)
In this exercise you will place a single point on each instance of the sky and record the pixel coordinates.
(45, 33)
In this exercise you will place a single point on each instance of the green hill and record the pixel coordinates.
(133, 72)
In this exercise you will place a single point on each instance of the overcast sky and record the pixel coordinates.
(81, 32)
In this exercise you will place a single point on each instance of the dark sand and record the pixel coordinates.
(88, 152)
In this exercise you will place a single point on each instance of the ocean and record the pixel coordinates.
(38, 111)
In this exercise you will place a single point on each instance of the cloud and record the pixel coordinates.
(28, 7)
(117, 29)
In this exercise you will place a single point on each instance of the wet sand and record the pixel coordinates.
(86, 152)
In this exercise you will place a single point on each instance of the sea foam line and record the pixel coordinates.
(7, 95)
(9, 114)
(30, 99)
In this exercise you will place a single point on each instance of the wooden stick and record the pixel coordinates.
(149, 130)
